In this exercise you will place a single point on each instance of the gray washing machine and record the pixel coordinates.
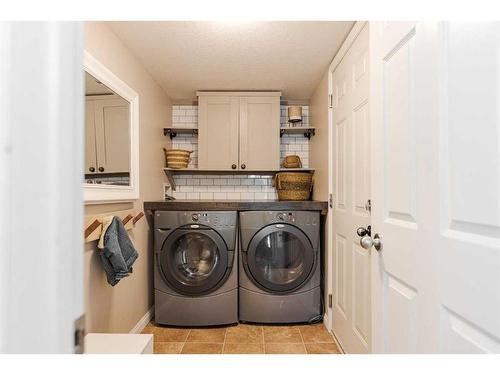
(195, 273)
(279, 266)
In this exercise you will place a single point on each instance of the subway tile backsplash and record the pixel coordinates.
(230, 186)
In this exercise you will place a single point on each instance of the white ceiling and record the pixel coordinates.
(187, 56)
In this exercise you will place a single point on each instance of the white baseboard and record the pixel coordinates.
(326, 322)
(143, 322)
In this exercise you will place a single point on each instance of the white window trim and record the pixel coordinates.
(97, 193)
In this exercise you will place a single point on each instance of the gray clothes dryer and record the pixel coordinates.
(195, 273)
(279, 266)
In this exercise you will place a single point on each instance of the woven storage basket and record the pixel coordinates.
(177, 159)
(293, 186)
(292, 161)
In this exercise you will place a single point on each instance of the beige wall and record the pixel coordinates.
(318, 146)
(119, 308)
(318, 154)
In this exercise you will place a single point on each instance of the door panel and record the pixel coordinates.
(259, 133)
(112, 118)
(436, 285)
(218, 119)
(351, 183)
(469, 165)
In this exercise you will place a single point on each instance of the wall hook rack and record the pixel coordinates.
(94, 222)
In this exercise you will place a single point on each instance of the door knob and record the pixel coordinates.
(92, 169)
(364, 231)
(234, 166)
(243, 166)
(101, 169)
(367, 242)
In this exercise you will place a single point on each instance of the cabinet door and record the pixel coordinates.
(112, 117)
(90, 144)
(218, 132)
(259, 133)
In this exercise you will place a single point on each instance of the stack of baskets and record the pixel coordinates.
(293, 186)
(177, 159)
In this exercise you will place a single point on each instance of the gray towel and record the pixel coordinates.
(118, 253)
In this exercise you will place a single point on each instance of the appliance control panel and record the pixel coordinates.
(213, 219)
(293, 217)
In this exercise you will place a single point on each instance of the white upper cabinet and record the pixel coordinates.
(106, 136)
(218, 132)
(239, 131)
(259, 133)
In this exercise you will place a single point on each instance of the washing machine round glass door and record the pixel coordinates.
(194, 261)
(280, 258)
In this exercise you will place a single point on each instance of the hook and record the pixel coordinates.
(127, 218)
(92, 227)
(138, 217)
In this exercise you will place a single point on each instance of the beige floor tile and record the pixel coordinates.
(168, 347)
(322, 348)
(167, 334)
(201, 348)
(212, 335)
(244, 333)
(315, 333)
(282, 334)
(285, 348)
(243, 348)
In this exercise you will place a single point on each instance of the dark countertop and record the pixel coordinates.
(228, 205)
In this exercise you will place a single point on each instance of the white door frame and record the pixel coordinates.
(351, 37)
(41, 194)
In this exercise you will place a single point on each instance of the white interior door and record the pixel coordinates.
(435, 187)
(351, 186)
(41, 168)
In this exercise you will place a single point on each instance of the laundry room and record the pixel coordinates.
(261, 188)
(229, 227)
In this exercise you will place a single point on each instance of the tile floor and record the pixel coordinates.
(243, 339)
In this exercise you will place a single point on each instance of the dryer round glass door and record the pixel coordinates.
(194, 261)
(280, 258)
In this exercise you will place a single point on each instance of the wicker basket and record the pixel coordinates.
(293, 186)
(177, 159)
(292, 161)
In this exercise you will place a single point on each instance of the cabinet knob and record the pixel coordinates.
(234, 166)
(243, 166)
(101, 169)
(92, 169)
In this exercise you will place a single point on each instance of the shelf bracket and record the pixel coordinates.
(170, 179)
(309, 132)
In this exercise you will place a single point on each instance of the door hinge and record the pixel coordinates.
(330, 301)
(330, 101)
(79, 335)
(368, 205)
(330, 200)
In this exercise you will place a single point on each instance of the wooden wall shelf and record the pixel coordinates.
(308, 131)
(169, 172)
(172, 132)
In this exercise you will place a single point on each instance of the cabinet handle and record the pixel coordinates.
(234, 166)
(92, 169)
(243, 166)
(101, 169)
